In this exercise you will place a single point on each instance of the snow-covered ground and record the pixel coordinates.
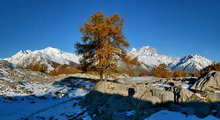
(168, 115)
(35, 101)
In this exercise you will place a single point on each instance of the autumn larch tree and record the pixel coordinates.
(102, 43)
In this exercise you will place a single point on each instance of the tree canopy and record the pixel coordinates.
(102, 43)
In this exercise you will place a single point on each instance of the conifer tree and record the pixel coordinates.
(102, 43)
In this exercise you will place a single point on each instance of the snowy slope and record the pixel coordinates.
(192, 63)
(151, 57)
(148, 56)
(45, 56)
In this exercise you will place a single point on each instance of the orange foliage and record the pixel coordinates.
(180, 74)
(102, 43)
(37, 67)
(64, 69)
(161, 71)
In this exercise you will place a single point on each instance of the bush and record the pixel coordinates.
(164, 72)
(161, 71)
(37, 67)
(180, 74)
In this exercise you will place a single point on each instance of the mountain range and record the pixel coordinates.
(189, 63)
(146, 55)
(48, 56)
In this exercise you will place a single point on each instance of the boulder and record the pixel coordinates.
(147, 93)
(185, 95)
(209, 82)
(213, 97)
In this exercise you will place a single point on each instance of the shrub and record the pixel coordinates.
(37, 67)
(164, 72)
(180, 74)
(161, 71)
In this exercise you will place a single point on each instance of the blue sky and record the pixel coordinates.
(173, 27)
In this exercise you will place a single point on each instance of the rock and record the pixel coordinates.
(152, 99)
(185, 94)
(6, 64)
(112, 88)
(146, 93)
(164, 96)
(209, 82)
(213, 97)
(167, 96)
(112, 98)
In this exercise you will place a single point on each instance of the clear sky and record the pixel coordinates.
(173, 27)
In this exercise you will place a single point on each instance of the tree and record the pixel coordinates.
(161, 71)
(180, 74)
(102, 43)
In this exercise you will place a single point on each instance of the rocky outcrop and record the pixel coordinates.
(208, 83)
(213, 97)
(197, 96)
(185, 95)
(9, 72)
(142, 92)
(6, 64)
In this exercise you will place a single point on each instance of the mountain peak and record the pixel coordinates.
(192, 63)
(45, 56)
(146, 50)
(150, 57)
(50, 49)
(24, 51)
(194, 57)
(146, 55)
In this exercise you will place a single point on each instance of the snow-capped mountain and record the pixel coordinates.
(192, 63)
(47, 56)
(146, 55)
(149, 56)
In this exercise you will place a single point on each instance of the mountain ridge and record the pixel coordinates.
(189, 63)
(47, 56)
(146, 55)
